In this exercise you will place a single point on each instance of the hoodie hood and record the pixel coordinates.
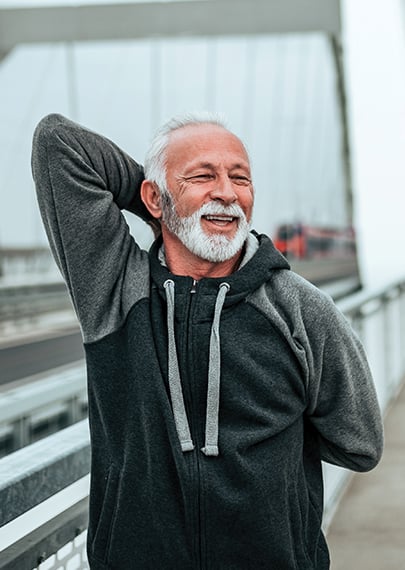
(247, 278)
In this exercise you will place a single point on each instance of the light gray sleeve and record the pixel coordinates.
(341, 400)
(83, 181)
(343, 405)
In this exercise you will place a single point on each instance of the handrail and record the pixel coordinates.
(47, 539)
(356, 303)
(34, 473)
(23, 300)
(60, 385)
(57, 399)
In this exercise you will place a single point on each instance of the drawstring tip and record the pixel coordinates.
(210, 450)
(187, 445)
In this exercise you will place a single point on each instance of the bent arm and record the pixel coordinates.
(343, 402)
(83, 181)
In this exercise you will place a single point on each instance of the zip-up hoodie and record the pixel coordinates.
(211, 404)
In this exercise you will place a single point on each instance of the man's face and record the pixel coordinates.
(211, 194)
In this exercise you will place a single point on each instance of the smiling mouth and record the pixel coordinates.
(220, 220)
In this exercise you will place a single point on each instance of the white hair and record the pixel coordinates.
(155, 159)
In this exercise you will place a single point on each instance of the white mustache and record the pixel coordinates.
(213, 208)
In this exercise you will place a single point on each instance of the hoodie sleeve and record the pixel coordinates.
(83, 181)
(343, 404)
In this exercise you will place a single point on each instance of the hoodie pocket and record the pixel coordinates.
(103, 533)
(300, 526)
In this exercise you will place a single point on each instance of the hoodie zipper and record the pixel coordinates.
(199, 523)
(195, 455)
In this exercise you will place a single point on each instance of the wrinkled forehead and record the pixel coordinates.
(204, 139)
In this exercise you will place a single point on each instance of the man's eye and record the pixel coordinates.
(200, 177)
(242, 180)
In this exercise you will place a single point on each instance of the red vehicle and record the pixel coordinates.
(298, 241)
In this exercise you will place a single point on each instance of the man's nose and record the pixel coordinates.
(224, 190)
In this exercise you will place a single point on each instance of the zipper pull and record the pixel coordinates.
(194, 286)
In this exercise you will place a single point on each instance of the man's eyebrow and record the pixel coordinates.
(202, 165)
(240, 165)
(210, 165)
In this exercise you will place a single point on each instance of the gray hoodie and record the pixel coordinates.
(211, 405)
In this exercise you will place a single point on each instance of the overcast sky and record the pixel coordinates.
(277, 92)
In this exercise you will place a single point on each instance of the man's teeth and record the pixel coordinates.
(220, 218)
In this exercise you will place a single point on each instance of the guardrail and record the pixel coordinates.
(48, 293)
(36, 481)
(379, 318)
(25, 260)
(28, 300)
(41, 407)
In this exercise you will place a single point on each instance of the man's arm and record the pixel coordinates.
(343, 403)
(83, 181)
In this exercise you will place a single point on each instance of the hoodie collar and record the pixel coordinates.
(261, 259)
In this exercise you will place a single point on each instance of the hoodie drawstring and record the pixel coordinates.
(176, 392)
(214, 374)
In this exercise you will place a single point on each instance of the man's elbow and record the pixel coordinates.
(359, 460)
(46, 135)
(46, 126)
(364, 463)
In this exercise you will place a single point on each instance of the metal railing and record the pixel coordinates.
(26, 260)
(43, 406)
(34, 294)
(29, 300)
(53, 465)
(31, 478)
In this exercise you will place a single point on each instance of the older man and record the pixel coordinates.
(218, 379)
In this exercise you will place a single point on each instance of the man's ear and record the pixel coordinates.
(151, 198)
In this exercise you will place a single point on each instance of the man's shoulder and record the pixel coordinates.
(292, 298)
(294, 285)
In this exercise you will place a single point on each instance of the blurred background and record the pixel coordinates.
(315, 89)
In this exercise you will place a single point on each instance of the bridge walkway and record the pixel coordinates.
(368, 529)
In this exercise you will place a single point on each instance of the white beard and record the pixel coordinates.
(211, 247)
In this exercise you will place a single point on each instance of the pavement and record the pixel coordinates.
(368, 529)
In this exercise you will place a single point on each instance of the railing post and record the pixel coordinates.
(21, 436)
(73, 410)
(386, 341)
(402, 325)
